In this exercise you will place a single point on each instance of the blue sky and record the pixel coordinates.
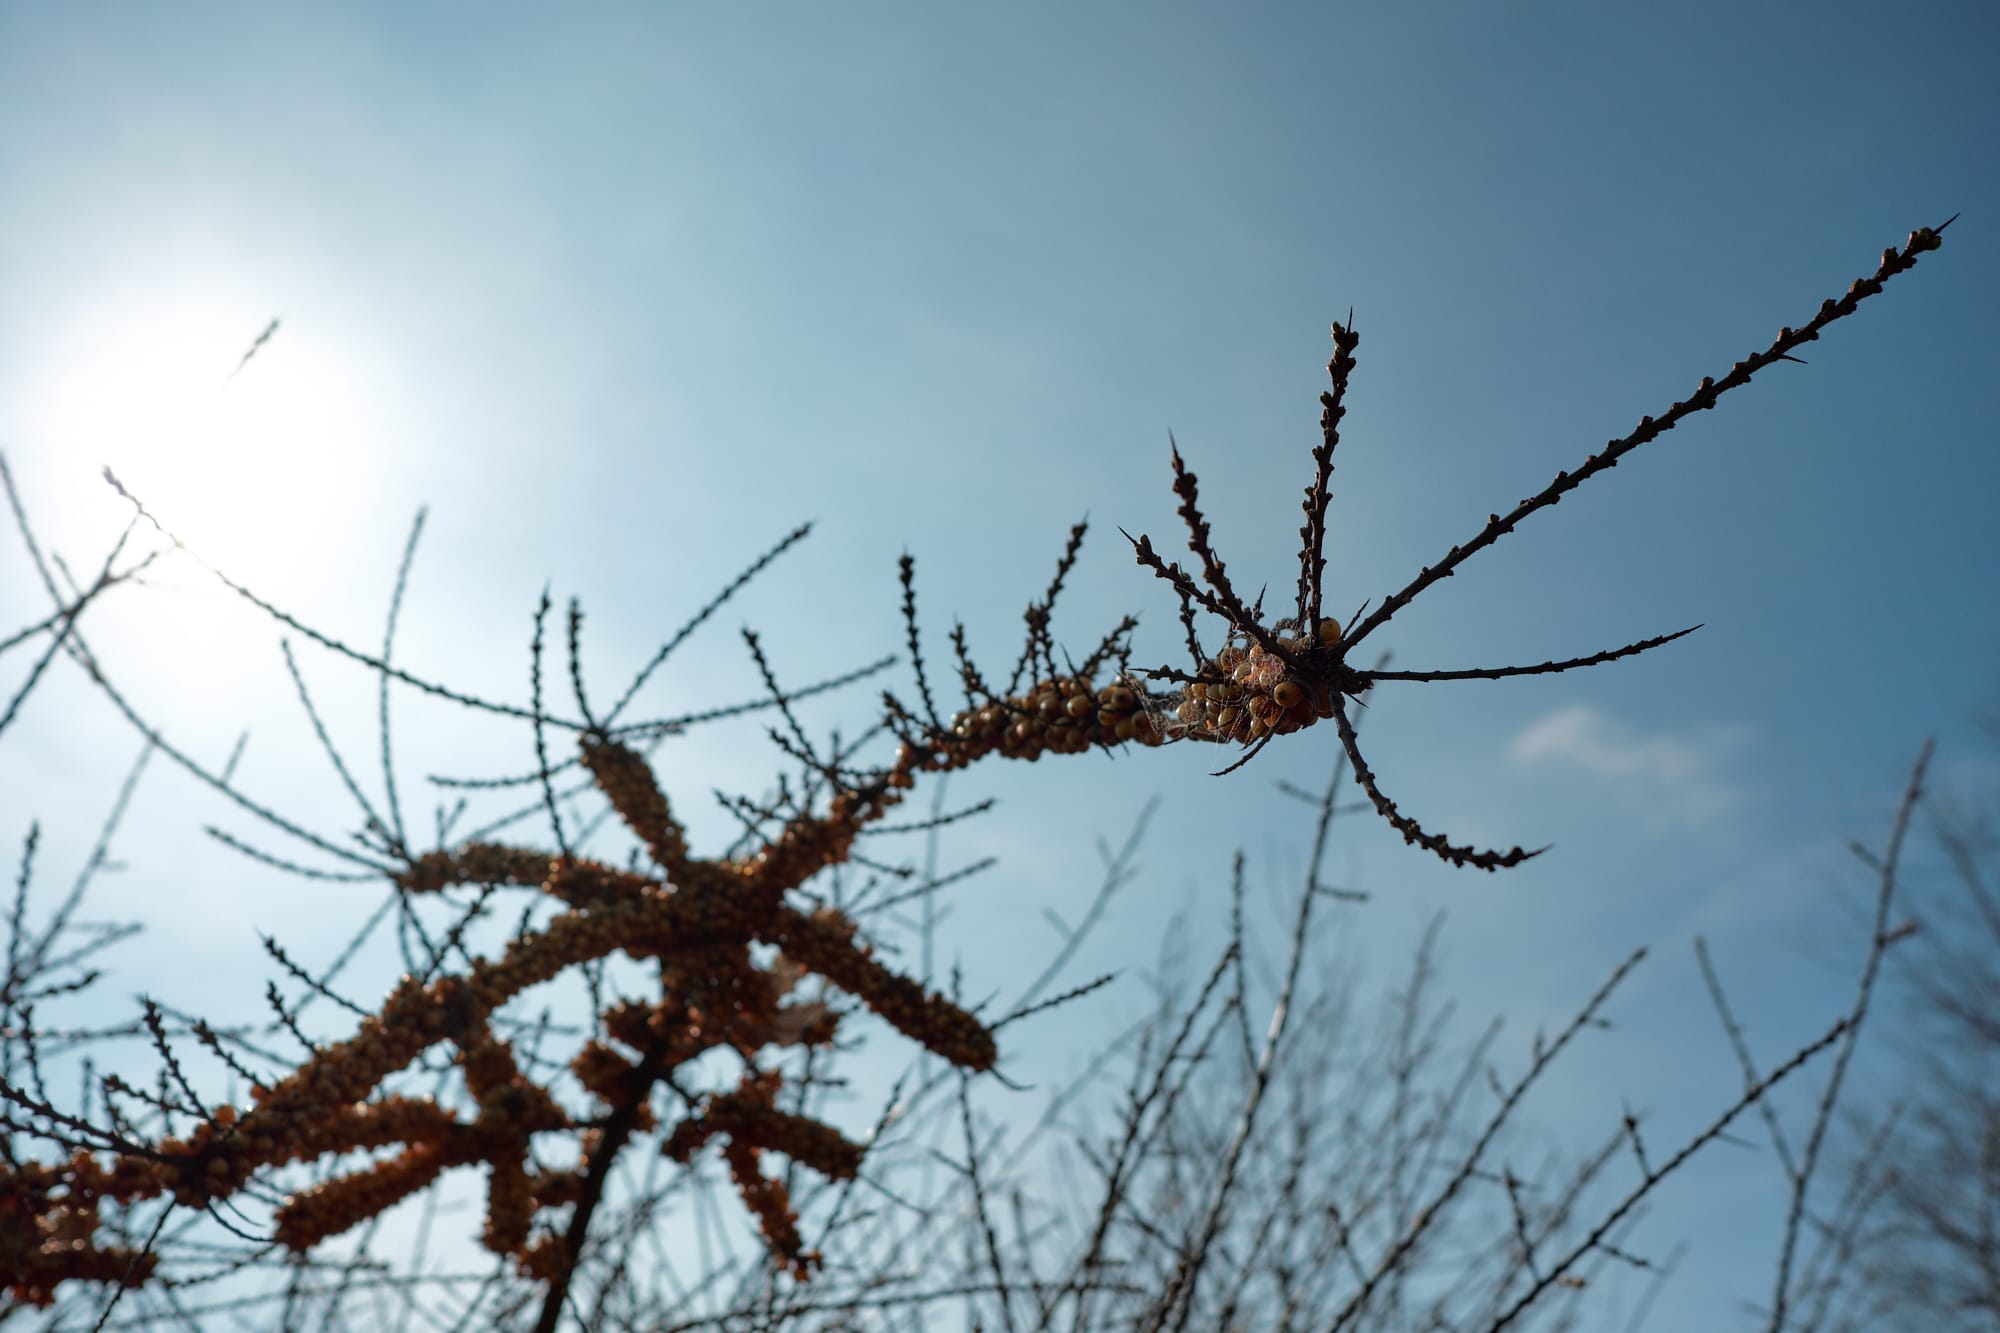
(623, 296)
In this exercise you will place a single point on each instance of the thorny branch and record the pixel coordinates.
(728, 940)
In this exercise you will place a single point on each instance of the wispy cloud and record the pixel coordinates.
(1675, 780)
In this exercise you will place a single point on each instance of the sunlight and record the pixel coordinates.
(238, 455)
(265, 472)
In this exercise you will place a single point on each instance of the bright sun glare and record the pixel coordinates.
(235, 455)
(262, 466)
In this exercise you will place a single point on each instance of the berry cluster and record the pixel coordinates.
(1060, 715)
(751, 1122)
(1245, 692)
(696, 921)
(49, 1221)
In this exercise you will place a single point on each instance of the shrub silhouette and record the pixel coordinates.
(729, 942)
(1922, 1174)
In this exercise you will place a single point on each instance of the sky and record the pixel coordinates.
(625, 295)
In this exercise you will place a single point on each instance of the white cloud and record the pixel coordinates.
(1675, 780)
